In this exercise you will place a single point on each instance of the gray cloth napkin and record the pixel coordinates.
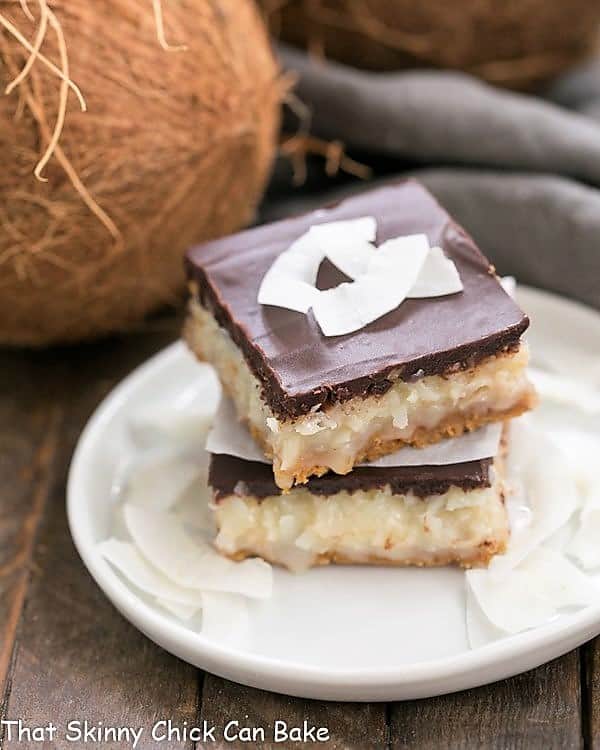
(521, 173)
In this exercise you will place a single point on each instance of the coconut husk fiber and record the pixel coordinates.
(516, 43)
(175, 147)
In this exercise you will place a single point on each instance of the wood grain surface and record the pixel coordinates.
(65, 653)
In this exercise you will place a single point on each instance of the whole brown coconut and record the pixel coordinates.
(515, 43)
(175, 148)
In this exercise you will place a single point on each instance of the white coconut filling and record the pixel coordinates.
(298, 529)
(336, 438)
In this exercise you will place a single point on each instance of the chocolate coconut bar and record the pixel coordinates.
(429, 369)
(405, 515)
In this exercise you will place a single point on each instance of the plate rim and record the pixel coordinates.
(497, 660)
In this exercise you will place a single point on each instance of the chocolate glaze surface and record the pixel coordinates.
(300, 368)
(229, 473)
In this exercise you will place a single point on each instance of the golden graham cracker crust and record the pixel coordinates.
(477, 558)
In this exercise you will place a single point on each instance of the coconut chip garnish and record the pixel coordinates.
(552, 561)
(382, 277)
(161, 541)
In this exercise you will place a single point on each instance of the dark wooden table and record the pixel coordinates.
(65, 653)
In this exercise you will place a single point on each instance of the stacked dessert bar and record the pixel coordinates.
(336, 415)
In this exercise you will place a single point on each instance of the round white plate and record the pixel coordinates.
(339, 633)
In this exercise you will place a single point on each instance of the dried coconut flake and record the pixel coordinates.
(566, 391)
(584, 546)
(193, 563)
(159, 481)
(539, 478)
(223, 614)
(545, 583)
(125, 557)
(382, 277)
(389, 277)
(439, 276)
(290, 282)
(534, 580)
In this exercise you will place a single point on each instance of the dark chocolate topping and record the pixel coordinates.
(228, 474)
(298, 366)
